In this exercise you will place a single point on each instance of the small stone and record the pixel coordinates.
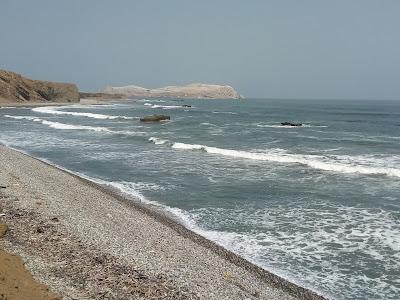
(3, 229)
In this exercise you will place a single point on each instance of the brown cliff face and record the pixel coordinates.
(16, 88)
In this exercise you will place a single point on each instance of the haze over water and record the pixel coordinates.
(317, 204)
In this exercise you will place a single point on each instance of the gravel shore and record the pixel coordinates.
(85, 241)
(7, 103)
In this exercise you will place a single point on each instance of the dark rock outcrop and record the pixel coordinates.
(16, 88)
(291, 124)
(155, 118)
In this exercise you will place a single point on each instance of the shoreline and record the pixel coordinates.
(83, 101)
(35, 104)
(264, 276)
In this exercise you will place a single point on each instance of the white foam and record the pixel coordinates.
(320, 236)
(150, 100)
(63, 126)
(158, 141)
(58, 125)
(339, 164)
(188, 146)
(208, 124)
(225, 112)
(54, 111)
(290, 127)
(20, 117)
(167, 106)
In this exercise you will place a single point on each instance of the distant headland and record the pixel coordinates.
(189, 91)
(15, 88)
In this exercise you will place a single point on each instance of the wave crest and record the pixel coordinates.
(63, 126)
(54, 111)
(334, 163)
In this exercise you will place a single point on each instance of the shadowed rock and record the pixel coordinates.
(155, 118)
(291, 124)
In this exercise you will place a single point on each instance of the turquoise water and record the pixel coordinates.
(318, 204)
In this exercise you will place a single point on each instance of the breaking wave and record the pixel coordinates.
(333, 163)
(20, 117)
(54, 111)
(167, 106)
(58, 125)
(63, 126)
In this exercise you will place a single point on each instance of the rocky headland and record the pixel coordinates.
(16, 88)
(190, 91)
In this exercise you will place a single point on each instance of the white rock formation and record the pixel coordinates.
(196, 90)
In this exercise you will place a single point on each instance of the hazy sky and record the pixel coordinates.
(275, 49)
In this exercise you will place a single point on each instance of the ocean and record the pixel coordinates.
(317, 204)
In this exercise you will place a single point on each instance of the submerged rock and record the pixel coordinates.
(155, 118)
(291, 124)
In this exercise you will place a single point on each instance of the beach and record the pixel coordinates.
(85, 101)
(85, 241)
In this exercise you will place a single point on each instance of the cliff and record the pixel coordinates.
(190, 91)
(16, 88)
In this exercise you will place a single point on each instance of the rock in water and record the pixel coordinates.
(16, 88)
(155, 118)
(291, 124)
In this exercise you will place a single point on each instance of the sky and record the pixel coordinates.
(342, 49)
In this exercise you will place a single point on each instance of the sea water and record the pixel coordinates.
(317, 204)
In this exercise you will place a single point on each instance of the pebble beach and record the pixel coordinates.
(86, 241)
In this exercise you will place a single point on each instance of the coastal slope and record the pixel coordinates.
(190, 91)
(87, 242)
(16, 88)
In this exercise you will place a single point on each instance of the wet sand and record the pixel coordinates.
(86, 241)
(16, 283)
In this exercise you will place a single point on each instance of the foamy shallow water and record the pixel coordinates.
(317, 204)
